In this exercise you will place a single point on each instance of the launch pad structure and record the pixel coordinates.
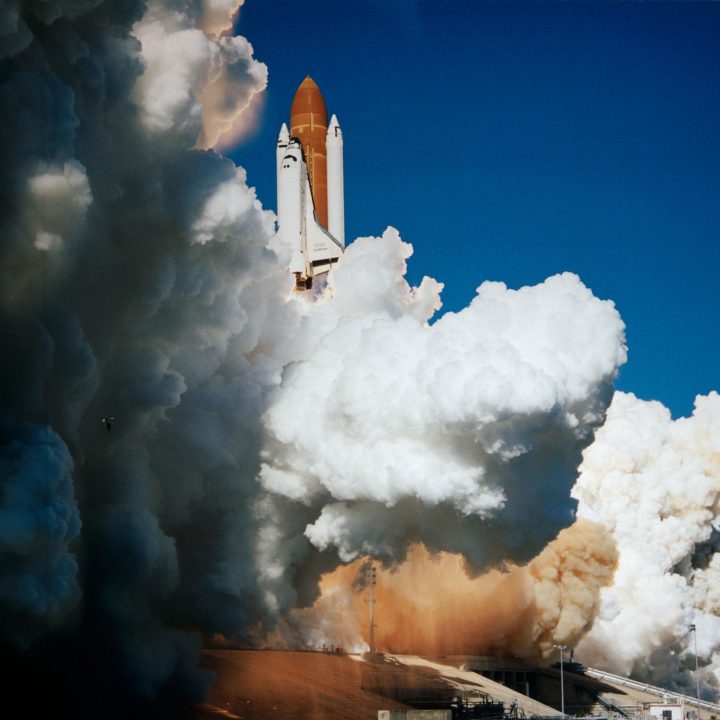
(297, 685)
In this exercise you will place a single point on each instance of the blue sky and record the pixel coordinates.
(512, 141)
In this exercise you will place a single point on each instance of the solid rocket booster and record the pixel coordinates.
(335, 191)
(310, 186)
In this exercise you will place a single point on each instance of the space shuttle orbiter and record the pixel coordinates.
(311, 212)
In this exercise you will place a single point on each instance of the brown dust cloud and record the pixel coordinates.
(432, 604)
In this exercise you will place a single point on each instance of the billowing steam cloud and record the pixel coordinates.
(655, 484)
(255, 441)
(387, 430)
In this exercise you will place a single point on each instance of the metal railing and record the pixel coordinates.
(651, 689)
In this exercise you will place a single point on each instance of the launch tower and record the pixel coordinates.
(311, 213)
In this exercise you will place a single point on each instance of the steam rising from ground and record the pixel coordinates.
(258, 441)
(430, 604)
(655, 484)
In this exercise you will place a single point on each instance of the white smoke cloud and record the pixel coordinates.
(228, 96)
(229, 202)
(218, 16)
(196, 83)
(56, 203)
(179, 61)
(655, 483)
(390, 429)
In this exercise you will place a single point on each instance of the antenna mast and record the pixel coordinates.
(372, 582)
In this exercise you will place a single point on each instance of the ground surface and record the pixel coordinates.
(260, 684)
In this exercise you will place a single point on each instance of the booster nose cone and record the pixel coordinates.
(308, 123)
(334, 130)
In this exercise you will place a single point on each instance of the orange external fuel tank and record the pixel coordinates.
(308, 123)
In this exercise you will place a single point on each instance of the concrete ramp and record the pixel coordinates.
(414, 714)
(469, 681)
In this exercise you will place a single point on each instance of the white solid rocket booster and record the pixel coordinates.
(280, 147)
(335, 190)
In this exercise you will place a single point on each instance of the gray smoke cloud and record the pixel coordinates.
(127, 262)
(38, 520)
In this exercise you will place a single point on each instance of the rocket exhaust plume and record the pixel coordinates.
(431, 604)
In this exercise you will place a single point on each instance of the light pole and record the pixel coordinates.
(561, 648)
(693, 630)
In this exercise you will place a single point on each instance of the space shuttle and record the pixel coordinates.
(310, 196)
